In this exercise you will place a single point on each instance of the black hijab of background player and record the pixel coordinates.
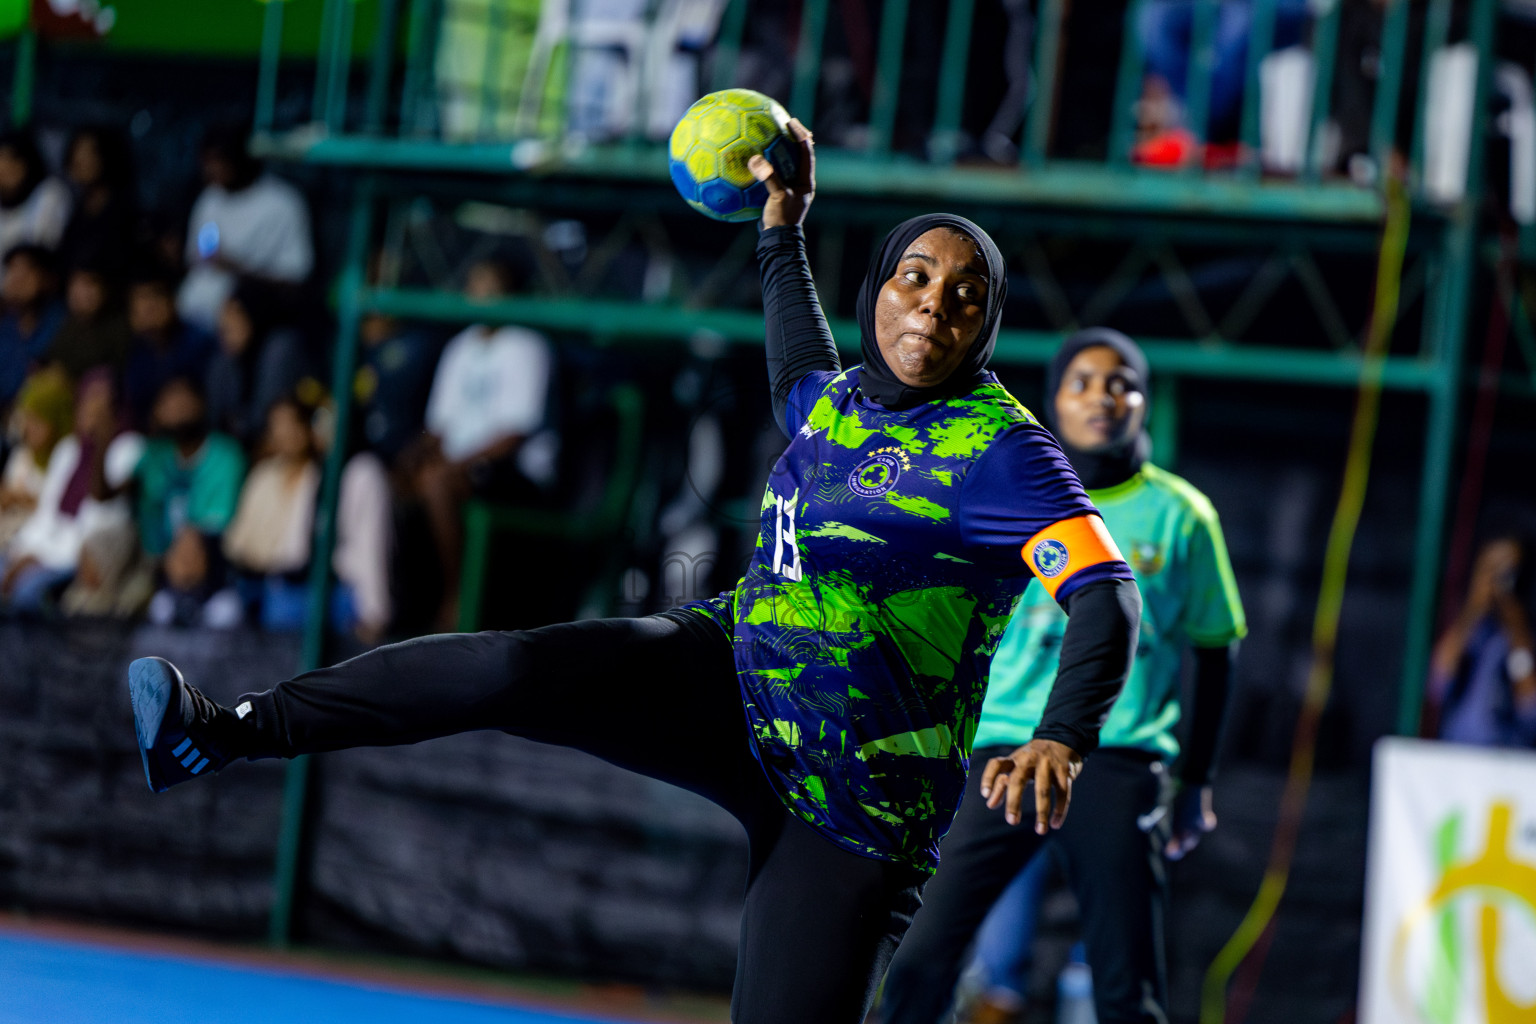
(1120, 461)
(875, 378)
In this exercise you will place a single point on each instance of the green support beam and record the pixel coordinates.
(1325, 50)
(381, 66)
(617, 321)
(1449, 317)
(296, 783)
(888, 67)
(944, 142)
(813, 28)
(1087, 186)
(733, 23)
(1122, 119)
(1261, 39)
(271, 58)
(1042, 104)
(1201, 75)
(23, 77)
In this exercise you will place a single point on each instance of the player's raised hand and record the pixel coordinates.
(789, 201)
(1045, 766)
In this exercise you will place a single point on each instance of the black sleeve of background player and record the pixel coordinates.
(1213, 676)
(798, 339)
(1096, 654)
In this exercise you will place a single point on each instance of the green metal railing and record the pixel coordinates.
(406, 63)
(393, 137)
(23, 76)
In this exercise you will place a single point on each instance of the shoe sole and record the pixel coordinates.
(151, 683)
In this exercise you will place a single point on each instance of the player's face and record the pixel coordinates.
(1099, 403)
(929, 313)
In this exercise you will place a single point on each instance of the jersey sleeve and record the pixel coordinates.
(1023, 507)
(803, 396)
(1213, 613)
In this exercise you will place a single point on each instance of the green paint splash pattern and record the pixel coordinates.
(863, 678)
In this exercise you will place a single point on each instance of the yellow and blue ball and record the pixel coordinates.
(711, 145)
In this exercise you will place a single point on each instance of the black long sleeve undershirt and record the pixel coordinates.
(797, 337)
(1213, 676)
(1096, 653)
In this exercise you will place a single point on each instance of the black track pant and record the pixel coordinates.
(658, 696)
(1113, 867)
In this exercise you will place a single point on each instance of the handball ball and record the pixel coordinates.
(711, 146)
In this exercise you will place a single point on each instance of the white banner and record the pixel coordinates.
(1450, 902)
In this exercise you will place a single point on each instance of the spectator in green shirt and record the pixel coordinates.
(188, 487)
(1121, 828)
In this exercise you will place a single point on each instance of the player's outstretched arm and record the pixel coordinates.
(797, 339)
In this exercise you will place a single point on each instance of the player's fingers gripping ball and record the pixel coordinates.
(711, 146)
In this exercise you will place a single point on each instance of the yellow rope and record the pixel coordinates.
(1325, 624)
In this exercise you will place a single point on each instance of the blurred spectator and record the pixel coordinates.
(101, 227)
(189, 484)
(1482, 686)
(193, 589)
(393, 382)
(95, 332)
(164, 346)
(244, 224)
(86, 470)
(33, 206)
(45, 415)
(257, 361)
(270, 536)
(1165, 29)
(113, 580)
(365, 540)
(30, 314)
(488, 396)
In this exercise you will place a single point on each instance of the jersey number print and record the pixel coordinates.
(786, 552)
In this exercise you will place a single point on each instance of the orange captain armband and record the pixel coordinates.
(1062, 550)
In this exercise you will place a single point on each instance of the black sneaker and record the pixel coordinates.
(171, 719)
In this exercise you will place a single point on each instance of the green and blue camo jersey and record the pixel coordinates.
(1169, 532)
(887, 565)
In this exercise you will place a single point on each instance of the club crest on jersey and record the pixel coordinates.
(1146, 558)
(1051, 558)
(878, 473)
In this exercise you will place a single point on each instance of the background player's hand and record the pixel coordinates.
(1007, 780)
(1192, 818)
(788, 202)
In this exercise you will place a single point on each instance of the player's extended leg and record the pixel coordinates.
(977, 859)
(1117, 874)
(636, 692)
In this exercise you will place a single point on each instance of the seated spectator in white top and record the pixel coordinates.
(488, 398)
(246, 223)
(34, 207)
(88, 466)
(270, 536)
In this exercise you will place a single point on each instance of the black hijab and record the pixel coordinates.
(1120, 462)
(875, 378)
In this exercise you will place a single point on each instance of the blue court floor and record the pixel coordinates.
(45, 980)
